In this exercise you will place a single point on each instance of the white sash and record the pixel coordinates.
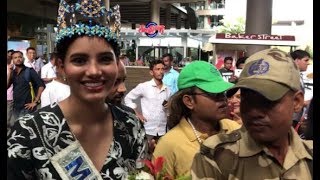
(73, 163)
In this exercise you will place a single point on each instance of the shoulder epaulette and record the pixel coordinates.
(217, 140)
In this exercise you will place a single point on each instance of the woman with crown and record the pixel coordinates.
(80, 137)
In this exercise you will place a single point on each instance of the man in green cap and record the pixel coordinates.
(197, 111)
(266, 147)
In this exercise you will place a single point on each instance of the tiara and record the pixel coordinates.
(89, 17)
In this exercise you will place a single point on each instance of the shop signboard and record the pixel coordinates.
(151, 29)
(235, 45)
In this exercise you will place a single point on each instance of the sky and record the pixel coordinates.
(293, 9)
(282, 10)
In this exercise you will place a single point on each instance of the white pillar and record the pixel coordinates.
(137, 47)
(206, 24)
(50, 44)
(184, 44)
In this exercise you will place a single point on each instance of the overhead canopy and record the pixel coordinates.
(211, 47)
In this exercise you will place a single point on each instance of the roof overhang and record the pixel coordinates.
(202, 34)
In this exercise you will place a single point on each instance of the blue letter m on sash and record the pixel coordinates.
(74, 172)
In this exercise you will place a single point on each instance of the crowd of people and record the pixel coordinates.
(266, 146)
(73, 118)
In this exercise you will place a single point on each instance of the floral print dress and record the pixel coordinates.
(36, 139)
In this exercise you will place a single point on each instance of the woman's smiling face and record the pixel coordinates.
(90, 67)
(234, 101)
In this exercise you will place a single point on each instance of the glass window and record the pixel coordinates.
(200, 22)
(148, 54)
(193, 53)
(215, 20)
(177, 53)
(217, 4)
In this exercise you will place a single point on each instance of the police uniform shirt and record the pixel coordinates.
(238, 156)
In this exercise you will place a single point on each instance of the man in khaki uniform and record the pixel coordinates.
(266, 147)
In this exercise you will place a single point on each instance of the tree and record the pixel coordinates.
(233, 26)
(309, 49)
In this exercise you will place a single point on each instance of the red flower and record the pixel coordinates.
(156, 166)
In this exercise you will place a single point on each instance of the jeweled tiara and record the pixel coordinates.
(89, 17)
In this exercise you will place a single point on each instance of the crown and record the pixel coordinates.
(89, 17)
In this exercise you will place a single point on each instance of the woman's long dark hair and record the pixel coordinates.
(177, 109)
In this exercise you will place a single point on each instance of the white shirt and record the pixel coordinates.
(307, 78)
(54, 92)
(29, 64)
(151, 105)
(36, 64)
(48, 71)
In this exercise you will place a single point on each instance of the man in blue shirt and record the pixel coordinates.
(25, 100)
(170, 78)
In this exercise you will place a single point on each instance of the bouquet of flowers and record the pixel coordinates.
(153, 171)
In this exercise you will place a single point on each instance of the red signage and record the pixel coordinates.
(151, 29)
(255, 37)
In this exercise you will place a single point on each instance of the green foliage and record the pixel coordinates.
(309, 49)
(132, 177)
(234, 27)
(184, 178)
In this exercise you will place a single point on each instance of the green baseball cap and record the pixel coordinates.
(270, 72)
(204, 76)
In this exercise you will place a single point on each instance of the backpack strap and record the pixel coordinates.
(26, 76)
